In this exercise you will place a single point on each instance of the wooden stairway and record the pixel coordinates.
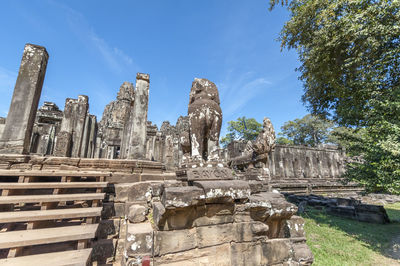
(49, 217)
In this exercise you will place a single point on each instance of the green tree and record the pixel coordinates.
(350, 67)
(241, 129)
(345, 136)
(309, 130)
(283, 141)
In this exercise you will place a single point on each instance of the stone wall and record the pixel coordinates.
(299, 161)
(165, 145)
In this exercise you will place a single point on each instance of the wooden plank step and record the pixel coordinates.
(40, 185)
(65, 258)
(43, 215)
(51, 173)
(23, 238)
(50, 198)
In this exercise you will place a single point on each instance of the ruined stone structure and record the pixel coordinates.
(134, 133)
(295, 161)
(112, 123)
(294, 169)
(46, 127)
(16, 136)
(146, 195)
(349, 208)
(77, 136)
(174, 147)
(210, 217)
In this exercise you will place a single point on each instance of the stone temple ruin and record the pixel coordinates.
(121, 191)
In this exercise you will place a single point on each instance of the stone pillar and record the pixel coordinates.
(63, 144)
(52, 136)
(17, 132)
(72, 127)
(88, 138)
(85, 137)
(92, 136)
(79, 125)
(97, 146)
(134, 139)
(126, 136)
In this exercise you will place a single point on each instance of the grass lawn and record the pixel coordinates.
(339, 241)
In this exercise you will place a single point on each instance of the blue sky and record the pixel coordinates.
(95, 46)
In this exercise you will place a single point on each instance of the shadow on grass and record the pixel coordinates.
(393, 211)
(378, 237)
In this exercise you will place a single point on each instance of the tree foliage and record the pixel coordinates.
(378, 144)
(349, 53)
(281, 140)
(350, 66)
(241, 129)
(309, 130)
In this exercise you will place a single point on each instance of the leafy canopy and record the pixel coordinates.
(309, 130)
(349, 53)
(241, 129)
(350, 66)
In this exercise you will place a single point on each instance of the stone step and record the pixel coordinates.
(52, 173)
(43, 215)
(23, 238)
(43, 185)
(50, 198)
(66, 258)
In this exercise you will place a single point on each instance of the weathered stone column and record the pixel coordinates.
(134, 139)
(92, 137)
(17, 132)
(88, 138)
(69, 139)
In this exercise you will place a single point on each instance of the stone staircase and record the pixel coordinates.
(49, 217)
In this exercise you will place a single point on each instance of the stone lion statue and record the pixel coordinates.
(256, 152)
(205, 119)
(265, 141)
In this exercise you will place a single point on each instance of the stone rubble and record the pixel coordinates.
(344, 207)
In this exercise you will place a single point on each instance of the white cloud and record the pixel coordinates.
(239, 91)
(114, 57)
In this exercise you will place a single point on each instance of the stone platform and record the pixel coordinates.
(121, 171)
(212, 223)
